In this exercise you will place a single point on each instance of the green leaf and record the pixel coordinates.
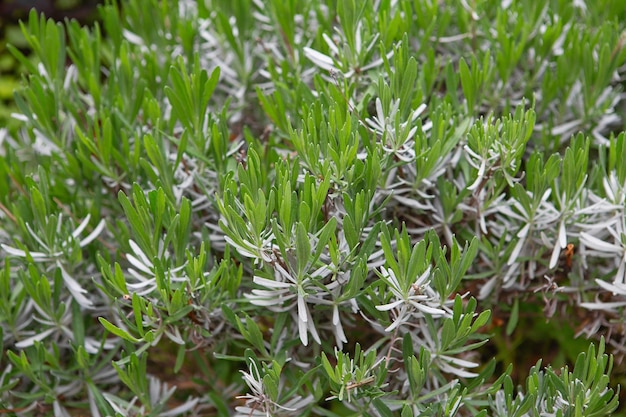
(467, 84)
(382, 408)
(180, 358)
(329, 369)
(303, 248)
(138, 312)
(513, 319)
(325, 234)
(253, 335)
(117, 331)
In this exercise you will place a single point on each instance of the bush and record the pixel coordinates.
(316, 208)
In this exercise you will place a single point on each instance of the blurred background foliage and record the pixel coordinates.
(11, 12)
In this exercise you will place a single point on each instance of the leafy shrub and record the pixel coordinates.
(313, 208)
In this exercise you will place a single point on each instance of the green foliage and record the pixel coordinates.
(314, 208)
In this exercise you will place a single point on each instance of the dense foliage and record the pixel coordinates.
(275, 207)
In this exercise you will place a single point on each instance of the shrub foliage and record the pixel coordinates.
(275, 207)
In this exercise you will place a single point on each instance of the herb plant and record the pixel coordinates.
(276, 208)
